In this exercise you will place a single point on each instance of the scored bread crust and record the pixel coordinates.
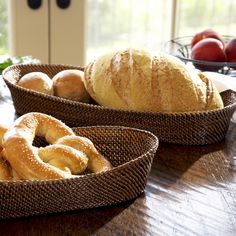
(136, 80)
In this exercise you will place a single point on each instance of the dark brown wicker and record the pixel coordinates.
(190, 128)
(130, 151)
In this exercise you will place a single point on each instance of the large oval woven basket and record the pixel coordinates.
(130, 151)
(191, 128)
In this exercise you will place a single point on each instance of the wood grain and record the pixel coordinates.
(191, 190)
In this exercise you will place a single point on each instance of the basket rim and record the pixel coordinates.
(99, 107)
(92, 175)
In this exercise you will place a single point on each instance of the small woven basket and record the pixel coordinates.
(131, 152)
(189, 128)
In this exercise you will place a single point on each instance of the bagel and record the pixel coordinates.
(60, 159)
(96, 161)
(64, 158)
(20, 153)
(5, 169)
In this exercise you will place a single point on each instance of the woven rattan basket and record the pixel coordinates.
(191, 128)
(130, 151)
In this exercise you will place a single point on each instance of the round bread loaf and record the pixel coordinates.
(37, 81)
(69, 84)
(136, 80)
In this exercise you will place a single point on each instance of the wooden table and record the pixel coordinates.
(191, 190)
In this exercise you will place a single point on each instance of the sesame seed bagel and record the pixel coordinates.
(96, 161)
(5, 169)
(24, 158)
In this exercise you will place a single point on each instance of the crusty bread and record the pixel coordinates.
(69, 84)
(136, 80)
(37, 81)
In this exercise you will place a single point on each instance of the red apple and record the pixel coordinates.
(208, 49)
(230, 50)
(208, 33)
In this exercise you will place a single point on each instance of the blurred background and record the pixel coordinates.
(86, 29)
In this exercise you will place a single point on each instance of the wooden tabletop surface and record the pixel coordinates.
(191, 190)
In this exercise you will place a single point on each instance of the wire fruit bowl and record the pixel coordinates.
(181, 48)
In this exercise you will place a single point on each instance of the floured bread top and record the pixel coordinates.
(136, 80)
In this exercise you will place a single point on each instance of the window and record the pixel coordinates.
(3, 27)
(89, 28)
(196, 15)
(126, 23)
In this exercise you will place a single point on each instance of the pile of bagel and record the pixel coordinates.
(66, 156)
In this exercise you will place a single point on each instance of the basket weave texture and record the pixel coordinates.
(189, 128)
(131, 152)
